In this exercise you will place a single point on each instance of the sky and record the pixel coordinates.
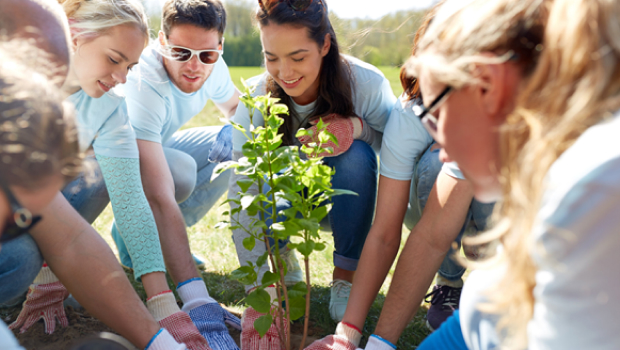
(356, 8)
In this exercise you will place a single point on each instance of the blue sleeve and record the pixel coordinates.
(132, 212)
(404, 142)
(448, 336)
(220, 85)
(146, 108)
(116, 137)
(372, 95)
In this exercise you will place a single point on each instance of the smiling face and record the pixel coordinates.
(102, 62)
(468, 123)
(294, 60)
(190, 76)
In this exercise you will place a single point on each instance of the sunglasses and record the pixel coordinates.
(183, 54)
(21, 220)
(297, 5)
(424, 113)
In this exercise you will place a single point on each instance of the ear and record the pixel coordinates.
(327, 44)
(491, 89)
(162, 38)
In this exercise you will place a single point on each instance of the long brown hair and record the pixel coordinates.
(335, 94)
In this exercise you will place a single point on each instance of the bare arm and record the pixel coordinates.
(423, 253)
(380, 248)
(159, 190)
(230, 107)
(85, 264)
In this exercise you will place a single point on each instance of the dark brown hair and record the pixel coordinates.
(206, 14)
(38, 136)
(335, 95)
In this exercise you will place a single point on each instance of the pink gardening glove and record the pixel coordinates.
(346, 337)
(250, 339)
(343, 128)
(44, 300)
(165, 310)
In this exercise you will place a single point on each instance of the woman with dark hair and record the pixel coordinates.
(307, 72)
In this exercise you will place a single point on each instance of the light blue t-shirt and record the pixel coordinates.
(453, 170)
(104, 124)
(404, 141)
(157, 108)
(373, 100)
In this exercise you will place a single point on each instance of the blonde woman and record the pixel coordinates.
(554, 160)
(107, 38)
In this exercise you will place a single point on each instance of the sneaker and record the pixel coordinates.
(340, 291)
(125, 259)
(444, 300)
(294, 273)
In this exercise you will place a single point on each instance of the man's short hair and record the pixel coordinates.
(206, 14)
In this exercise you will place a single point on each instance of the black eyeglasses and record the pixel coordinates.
(297, 5)
(21, 220)
(424, 113)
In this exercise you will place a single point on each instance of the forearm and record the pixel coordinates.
(85, 264)
(375, 262)
(415, 270)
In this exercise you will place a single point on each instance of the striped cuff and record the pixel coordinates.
(353, 335)
(162, 305)
(45, 276)
(375, 342)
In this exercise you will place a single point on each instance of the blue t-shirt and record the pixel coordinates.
(373, 100)
(157, 108)
(404, 141)
(104, 124)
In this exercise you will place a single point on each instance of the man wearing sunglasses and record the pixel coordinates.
(179, 73)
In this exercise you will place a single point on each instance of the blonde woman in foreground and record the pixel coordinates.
(553, 161)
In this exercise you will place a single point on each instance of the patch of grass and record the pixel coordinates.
(217, 247)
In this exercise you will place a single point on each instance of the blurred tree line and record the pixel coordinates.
(383, 42)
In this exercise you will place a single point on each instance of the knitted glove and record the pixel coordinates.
(164, 341)
(165, 310)
(347, 337)
(44, 300)
(221, 151)
(342, 128)
(250, 339)
(211, 321)
(375, 342)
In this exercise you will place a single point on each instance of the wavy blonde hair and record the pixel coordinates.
(573, 84)
(95, 17)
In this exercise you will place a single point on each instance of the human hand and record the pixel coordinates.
(44, 300)
(166, 312)
(345, 129)
(346, 337)
(250, 339)
(211, 320)
(221, 151)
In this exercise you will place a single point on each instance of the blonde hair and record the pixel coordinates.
(38, 135)
(95, 17)
(573, 84)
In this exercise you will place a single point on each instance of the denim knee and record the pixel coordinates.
(184, 171)
(20, 262)
(88, 194)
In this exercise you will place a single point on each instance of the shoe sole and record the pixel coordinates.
(430, 328)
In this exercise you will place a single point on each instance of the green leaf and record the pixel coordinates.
(260, 300)
(269, 278)
(249, 243)
(306, 248)
(262, 324)
(318, 246)
(246, 200)
(244, 184)
(245, 274)
(319, 213)
(298, 290)
(222, 225)
(262, 259)
(338, 192)
(297, 307)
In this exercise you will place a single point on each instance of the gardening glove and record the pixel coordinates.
(250, 339)
(346, 337)
(345, 129)
(163, 340)
(375, 342)
(166, 312)
(44, 300)
(221, 151)
(208, 315)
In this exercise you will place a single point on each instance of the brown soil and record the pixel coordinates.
(82, 324)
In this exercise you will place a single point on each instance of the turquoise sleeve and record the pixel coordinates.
(133, 215)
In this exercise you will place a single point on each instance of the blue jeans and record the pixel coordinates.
(351, 216)
(21, 259)
(424, 177)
